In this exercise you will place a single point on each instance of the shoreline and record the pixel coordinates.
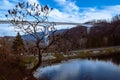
(100, 56)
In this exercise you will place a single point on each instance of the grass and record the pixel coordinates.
(58, 56)
(90, 53)
(27, 60)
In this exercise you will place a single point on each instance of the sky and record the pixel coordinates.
(79, 11)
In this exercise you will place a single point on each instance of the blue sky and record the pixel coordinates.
(66, 11)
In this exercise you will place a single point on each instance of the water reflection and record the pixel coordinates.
(113, 58)
(80, 70)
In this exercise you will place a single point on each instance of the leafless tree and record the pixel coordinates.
(5, 49)
(26, 18)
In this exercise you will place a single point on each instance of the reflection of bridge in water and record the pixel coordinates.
(46, 26)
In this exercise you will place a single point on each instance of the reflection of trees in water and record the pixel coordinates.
(114, 58)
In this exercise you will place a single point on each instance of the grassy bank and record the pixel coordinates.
(89, 53)
(12, 69)
(17, 68)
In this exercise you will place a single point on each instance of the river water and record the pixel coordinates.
(81, 69)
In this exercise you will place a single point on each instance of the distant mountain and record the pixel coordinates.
(31, 38)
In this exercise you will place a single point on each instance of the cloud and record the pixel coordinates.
(70, 12)
(68, 6)
(5, 29)
(32, 1)
(8, 4)
(67, 13)
(4, 6)
(107, 12)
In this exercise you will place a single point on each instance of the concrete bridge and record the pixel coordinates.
(46, 26)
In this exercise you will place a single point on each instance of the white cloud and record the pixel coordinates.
(5, 29)
(113, 9)
(70, 12)
(67, 6)
(106, 13)
(60, 2)
(32, 1)
(5, 4)
(10, 4)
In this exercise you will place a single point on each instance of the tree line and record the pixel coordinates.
(102, 34)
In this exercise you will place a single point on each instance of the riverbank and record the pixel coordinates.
(52, 58)
(86, 53)
(81, 69)
(12, 69)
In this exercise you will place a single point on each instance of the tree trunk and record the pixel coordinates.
(39, 60)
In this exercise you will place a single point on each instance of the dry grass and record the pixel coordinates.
(11, 69)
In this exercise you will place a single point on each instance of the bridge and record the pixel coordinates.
(46, 27)
(55, 23)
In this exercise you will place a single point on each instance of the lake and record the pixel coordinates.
(81, 69)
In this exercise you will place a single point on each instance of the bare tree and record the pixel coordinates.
(5, 48)
(26, 18)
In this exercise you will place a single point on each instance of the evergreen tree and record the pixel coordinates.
(18, 45)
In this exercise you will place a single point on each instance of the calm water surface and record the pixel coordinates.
(80, 69)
